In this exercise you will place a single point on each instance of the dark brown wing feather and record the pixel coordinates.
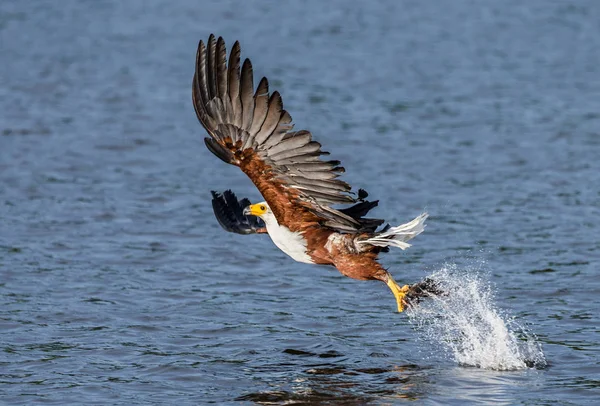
(253, 131)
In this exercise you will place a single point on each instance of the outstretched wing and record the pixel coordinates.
(229, 213)
(250, 129)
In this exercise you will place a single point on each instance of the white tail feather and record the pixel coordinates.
(397, 236)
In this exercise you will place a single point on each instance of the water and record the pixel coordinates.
(466, 319)
(117, 286)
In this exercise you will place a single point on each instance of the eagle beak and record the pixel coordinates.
(253, 210)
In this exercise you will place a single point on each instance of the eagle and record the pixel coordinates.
(250, 129)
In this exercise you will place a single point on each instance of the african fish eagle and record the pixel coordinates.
(250, 129)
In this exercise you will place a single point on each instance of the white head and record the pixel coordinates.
(263, 211)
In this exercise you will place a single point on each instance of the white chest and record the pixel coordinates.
(289, 242)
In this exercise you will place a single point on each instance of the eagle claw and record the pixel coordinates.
(426, 288)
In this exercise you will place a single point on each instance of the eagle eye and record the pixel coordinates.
(263, 208)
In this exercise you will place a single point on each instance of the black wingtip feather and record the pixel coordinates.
(229, 213)
(359, 210)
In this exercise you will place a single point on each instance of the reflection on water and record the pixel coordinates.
(341, 384)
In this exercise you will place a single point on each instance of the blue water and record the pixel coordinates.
(117, 286)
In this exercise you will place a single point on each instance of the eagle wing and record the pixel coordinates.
(229, 213)
(250, 129)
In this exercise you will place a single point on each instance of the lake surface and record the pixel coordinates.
(117, 285)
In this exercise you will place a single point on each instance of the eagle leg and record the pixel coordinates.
(399, 293)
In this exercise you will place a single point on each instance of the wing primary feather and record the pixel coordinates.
(327, 197)
(198, 103)
(283, 127)
(359, 209)
(200, 75)
(222, 215)
(221, 65)
(310, 147)
(300, 139)
(316, 175)
(332, 184)
(233, 203)
(272, 118)
(245, 202)
(340, 227)
(315, 166)
(261, 106)
(247, 94)
(211, 74)
(215, 112)
(339, 216)
(319, 186)
(306, 158)
(234, 83)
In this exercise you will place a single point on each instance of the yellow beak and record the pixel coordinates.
(253, 210)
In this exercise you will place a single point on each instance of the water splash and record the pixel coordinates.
(469, 326)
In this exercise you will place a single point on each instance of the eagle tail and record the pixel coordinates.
(399, 235)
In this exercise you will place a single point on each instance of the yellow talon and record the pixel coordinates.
(399, 293)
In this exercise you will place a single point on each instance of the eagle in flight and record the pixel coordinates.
(250, 129)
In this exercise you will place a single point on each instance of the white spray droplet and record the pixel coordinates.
(470, 327)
